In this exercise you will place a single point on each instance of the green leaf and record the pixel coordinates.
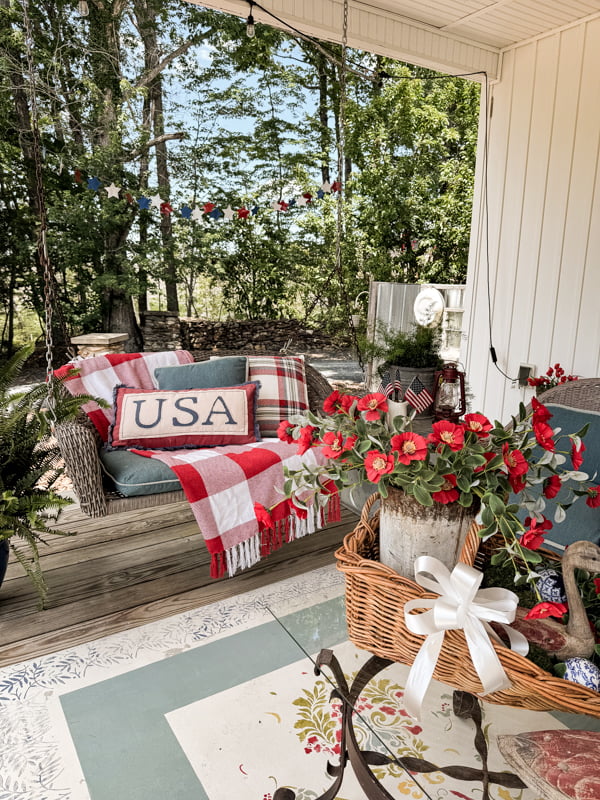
(422, 496)
(531, 556)
(495, 504)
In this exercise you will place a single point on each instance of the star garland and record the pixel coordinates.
(204, 210)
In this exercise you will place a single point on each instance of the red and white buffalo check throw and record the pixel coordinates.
(223, 484)
(100, 375)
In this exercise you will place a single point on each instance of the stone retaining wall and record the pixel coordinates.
(163, 330)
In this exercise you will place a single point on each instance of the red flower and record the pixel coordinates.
(540, 412)
(448, 433)
(517, 482)
(542, 610)
(333, 403)
(448, 493)
(263, 517)
(284, 431)
(551, 486)
(593, 498)
(378, 464)
(477, 424)
(515, 461)
(410, 447)
(306, 439)
(535, 524)
(543, 434)
(576, 455)
(532, 539)
(373, 404)
(349, 443)
(332, 444)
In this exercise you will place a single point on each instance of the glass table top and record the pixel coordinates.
(381, 723)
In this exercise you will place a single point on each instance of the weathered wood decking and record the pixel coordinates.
(128, 569)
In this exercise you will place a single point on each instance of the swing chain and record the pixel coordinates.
(340, 224)
(42, 244)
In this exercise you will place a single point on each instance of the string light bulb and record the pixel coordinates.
(250, 29)
(82, 8)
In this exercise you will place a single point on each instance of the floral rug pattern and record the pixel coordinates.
(381, 724)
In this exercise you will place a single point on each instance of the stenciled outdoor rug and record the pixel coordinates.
(220, 703)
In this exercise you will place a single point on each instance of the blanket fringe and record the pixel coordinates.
(285, 529)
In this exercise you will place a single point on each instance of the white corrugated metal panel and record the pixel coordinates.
(544, 220)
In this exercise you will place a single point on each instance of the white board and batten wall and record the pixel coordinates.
(544, 219)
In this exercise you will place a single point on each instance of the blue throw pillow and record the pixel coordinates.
(582, 522)
(213, 374)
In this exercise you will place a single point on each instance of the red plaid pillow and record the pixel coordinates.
(282, 389)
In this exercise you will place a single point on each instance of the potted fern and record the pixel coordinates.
(29, 469)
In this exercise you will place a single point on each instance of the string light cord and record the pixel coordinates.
(361, 72)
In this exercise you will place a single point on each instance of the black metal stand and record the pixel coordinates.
(465, 706)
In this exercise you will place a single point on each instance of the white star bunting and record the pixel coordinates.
(326, 186)
(196, 214)
(228, 213)
(301, 200)
(155, 201)
(112, 190)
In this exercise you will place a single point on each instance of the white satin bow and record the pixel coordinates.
(461, 605)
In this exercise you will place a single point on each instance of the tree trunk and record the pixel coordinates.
(146, 12)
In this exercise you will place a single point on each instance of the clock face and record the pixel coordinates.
(429, 307)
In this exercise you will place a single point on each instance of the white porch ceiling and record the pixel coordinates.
(455, 36)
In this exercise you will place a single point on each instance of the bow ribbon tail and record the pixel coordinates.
(484, 657)
(421, 673)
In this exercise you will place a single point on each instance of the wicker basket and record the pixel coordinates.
(375, 598)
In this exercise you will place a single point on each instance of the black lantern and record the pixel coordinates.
(449, 397)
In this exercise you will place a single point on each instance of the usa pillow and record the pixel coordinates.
(172, 419)
(282, 389)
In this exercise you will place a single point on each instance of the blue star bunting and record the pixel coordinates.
(320, 194)
(216, 213)
(186, 212)
(292, 202)
(94, 184)
(254, 211)
(144, 202)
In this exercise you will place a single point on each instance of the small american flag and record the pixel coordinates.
(386, 387)
(398, 385)
(418, 396)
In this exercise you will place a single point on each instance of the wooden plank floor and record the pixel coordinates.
(128, 569)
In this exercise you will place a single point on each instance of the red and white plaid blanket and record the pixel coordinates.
(98, 376)
(223, 486)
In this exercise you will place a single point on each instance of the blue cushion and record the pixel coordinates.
(212, 374)
(134, 475)
(582, 522)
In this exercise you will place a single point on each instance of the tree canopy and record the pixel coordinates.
(180, 117)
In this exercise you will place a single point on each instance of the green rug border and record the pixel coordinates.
(125, 745)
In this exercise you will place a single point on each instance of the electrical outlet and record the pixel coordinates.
(525, 371)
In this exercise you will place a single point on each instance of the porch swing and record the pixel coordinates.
(78, 439)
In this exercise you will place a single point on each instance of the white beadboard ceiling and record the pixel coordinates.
(451, 35)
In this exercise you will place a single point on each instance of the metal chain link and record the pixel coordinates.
(42, 245)
(341, 153)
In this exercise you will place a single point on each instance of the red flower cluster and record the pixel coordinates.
(553, 377)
